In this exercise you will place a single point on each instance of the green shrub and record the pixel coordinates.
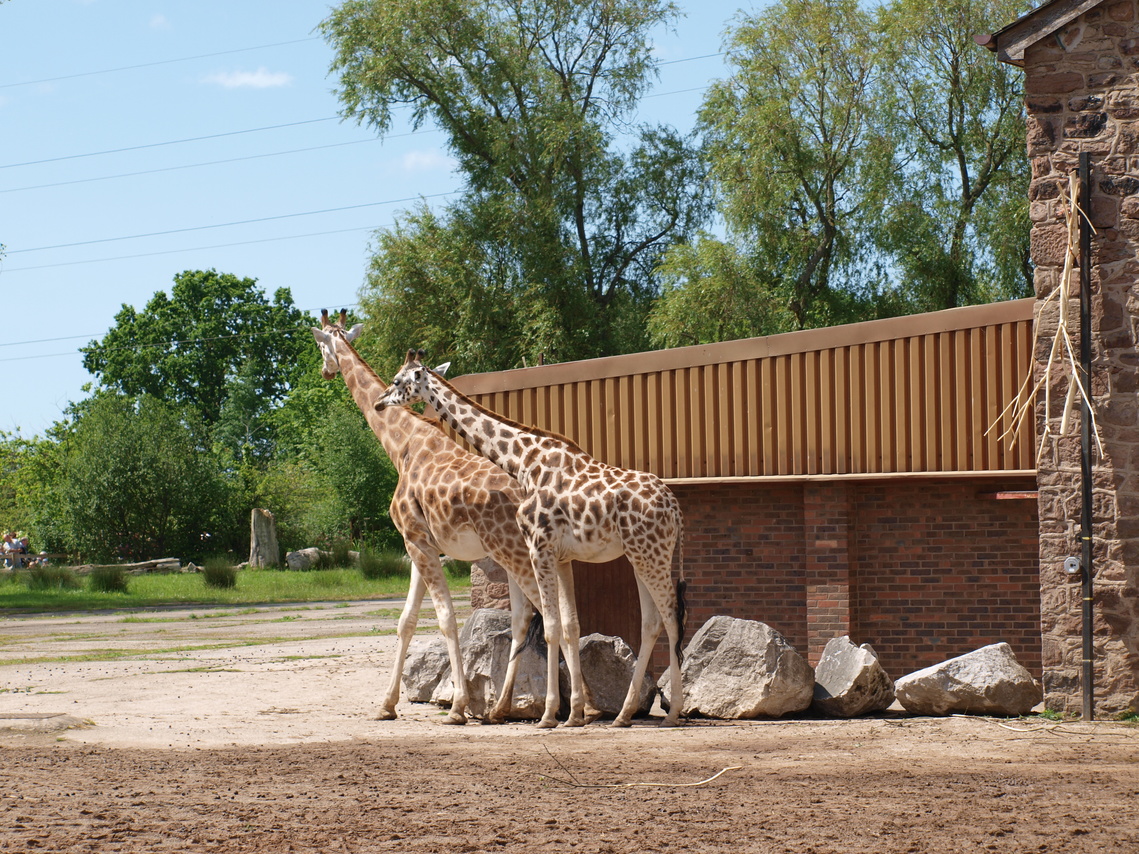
(219, 573)
(383, 564)
(339, 554)
(107, 579)
(50, 578)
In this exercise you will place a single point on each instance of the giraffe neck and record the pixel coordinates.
(501, 442)
(396, 426)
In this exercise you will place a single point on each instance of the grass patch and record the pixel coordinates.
(219, 574)
(256, 586)
(384, 564)
(108, 579)
(48, 579)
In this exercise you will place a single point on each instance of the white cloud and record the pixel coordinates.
(427, 161)
(262, 78)
(159, 22)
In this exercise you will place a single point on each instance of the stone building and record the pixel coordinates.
(1081, 65)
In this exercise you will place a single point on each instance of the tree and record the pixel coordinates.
(957, 224)
(212, 336)
(795, 151)
(532, 96)
(138, 481)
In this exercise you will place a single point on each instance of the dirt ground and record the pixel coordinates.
(252, 730)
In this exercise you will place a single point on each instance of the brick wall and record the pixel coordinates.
(1082, 94)
(922, 570)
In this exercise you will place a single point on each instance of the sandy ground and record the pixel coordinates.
(252, 730)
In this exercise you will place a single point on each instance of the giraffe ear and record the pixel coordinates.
(354, 333)
(442, 369)
(409, 358)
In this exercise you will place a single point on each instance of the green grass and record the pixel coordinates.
(254, 586)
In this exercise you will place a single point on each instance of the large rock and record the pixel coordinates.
(849, 680)
(607, 664)
(303, 559)
(425, 666)
(988, 681)
(484, 642)
(737, 668)
(312, 557)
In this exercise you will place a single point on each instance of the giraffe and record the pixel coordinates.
(576, 508)
(446, 501)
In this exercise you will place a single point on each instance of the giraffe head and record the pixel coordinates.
(410, 384)
(325, 340)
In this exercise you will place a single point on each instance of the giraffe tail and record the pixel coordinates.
(535, 636)
(681, 599)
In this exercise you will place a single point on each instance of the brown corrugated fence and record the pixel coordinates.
(904, 395)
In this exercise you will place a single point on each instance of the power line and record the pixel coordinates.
(168, 142)
(190, 249)
(163, 344)
(217, 162)
(186, 166)
(227, 224)
(156, 62)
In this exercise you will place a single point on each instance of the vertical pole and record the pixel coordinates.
(1088, 673)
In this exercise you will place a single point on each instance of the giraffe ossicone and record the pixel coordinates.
(575, 508)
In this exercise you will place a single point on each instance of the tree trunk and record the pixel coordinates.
(263, 548)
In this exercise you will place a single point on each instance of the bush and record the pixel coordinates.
(219, 573)
(107, 579)
(50, 578)
(384, 564)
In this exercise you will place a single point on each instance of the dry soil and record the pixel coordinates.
(252, 730)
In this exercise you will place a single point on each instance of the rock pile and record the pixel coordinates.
(733, 669)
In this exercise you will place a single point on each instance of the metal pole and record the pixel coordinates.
(1088, 674)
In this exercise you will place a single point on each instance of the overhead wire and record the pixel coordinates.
(156, 62)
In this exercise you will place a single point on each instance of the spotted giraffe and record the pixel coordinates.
(446, 501)
(575, 508)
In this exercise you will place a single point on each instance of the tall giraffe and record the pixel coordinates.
(576, 508)
(446, 501)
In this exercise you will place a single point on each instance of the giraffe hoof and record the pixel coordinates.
(620, 723)
(592, 714)
(575, 720)
(386, 715)
(547, 723)
(670, 722)
(455, 719)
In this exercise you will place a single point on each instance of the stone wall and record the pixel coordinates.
(1082, 94)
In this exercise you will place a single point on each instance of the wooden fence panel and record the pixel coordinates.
(907, 395)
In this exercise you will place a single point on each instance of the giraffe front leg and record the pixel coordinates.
(408, 619)
(432, 571)
(521, 613)
(571, 635)
(545, 572)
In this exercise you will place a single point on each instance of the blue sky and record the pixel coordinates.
(227, 110)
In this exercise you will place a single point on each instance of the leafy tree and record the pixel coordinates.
(795, 152)
(214, 343)
(957, 224)
(534, 97)
(138, 481)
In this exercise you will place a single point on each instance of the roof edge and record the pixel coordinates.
(1010, 42)
(803, 341)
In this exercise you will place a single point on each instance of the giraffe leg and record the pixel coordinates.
(545, 572)
(432, 571)
(408, 620)
(521, 612)
(571, 634)
(650, 631)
